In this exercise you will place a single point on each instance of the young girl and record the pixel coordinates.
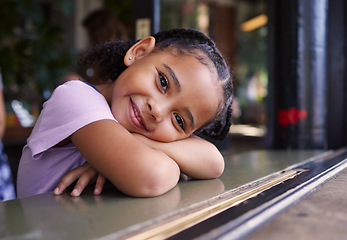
(137, 128)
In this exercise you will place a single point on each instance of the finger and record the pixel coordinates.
(99, 185)
(88, 176)
(69, 178)
(184, 177)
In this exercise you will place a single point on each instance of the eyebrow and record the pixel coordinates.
(190, 116)
(174, 77)
(178, 88)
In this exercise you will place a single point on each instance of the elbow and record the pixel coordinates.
(157, 185)
(162, 181)
(218, 167)
(154, 189)
(212, 166)
(159, 181)
(215, 166)
(215, 163)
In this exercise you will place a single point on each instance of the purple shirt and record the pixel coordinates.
(71, 106)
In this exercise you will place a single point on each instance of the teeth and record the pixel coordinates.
(137, 115)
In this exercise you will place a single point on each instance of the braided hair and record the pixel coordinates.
(109, 59)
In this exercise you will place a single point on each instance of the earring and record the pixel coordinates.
(130, 58)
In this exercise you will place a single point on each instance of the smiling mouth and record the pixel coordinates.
(136, 117)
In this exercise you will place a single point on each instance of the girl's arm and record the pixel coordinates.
(196, 157)
(133, 167)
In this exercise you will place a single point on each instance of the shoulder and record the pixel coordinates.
(76, 100)
(76, 96)
(74, 88)
(72, 106)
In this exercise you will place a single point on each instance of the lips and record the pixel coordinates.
(135, 116)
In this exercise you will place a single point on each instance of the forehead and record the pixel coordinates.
(194, 60)
(196, 53)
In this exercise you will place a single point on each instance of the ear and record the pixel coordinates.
(139, 50)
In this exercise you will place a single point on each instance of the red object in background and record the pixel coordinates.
(291, 116)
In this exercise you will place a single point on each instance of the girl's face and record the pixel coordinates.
(165, 97)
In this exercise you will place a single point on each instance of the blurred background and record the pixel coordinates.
(287, 57)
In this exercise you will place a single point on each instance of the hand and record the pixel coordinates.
(85, 174)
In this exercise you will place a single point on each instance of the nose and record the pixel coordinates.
(155, 110)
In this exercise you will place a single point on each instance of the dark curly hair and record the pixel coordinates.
(109, 59)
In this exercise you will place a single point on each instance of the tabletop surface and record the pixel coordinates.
(113, 214)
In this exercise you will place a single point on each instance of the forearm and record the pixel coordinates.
(195, 156)
(132, 166)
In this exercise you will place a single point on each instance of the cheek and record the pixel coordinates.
(207, 108)
(115, 106)
(119, 109)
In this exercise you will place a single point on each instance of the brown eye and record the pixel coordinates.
(179, 120)
(163, 82)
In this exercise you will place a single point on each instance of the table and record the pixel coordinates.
(114, 215)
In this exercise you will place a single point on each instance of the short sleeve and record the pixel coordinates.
(71, 106)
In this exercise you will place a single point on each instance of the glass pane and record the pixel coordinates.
(239, 29)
